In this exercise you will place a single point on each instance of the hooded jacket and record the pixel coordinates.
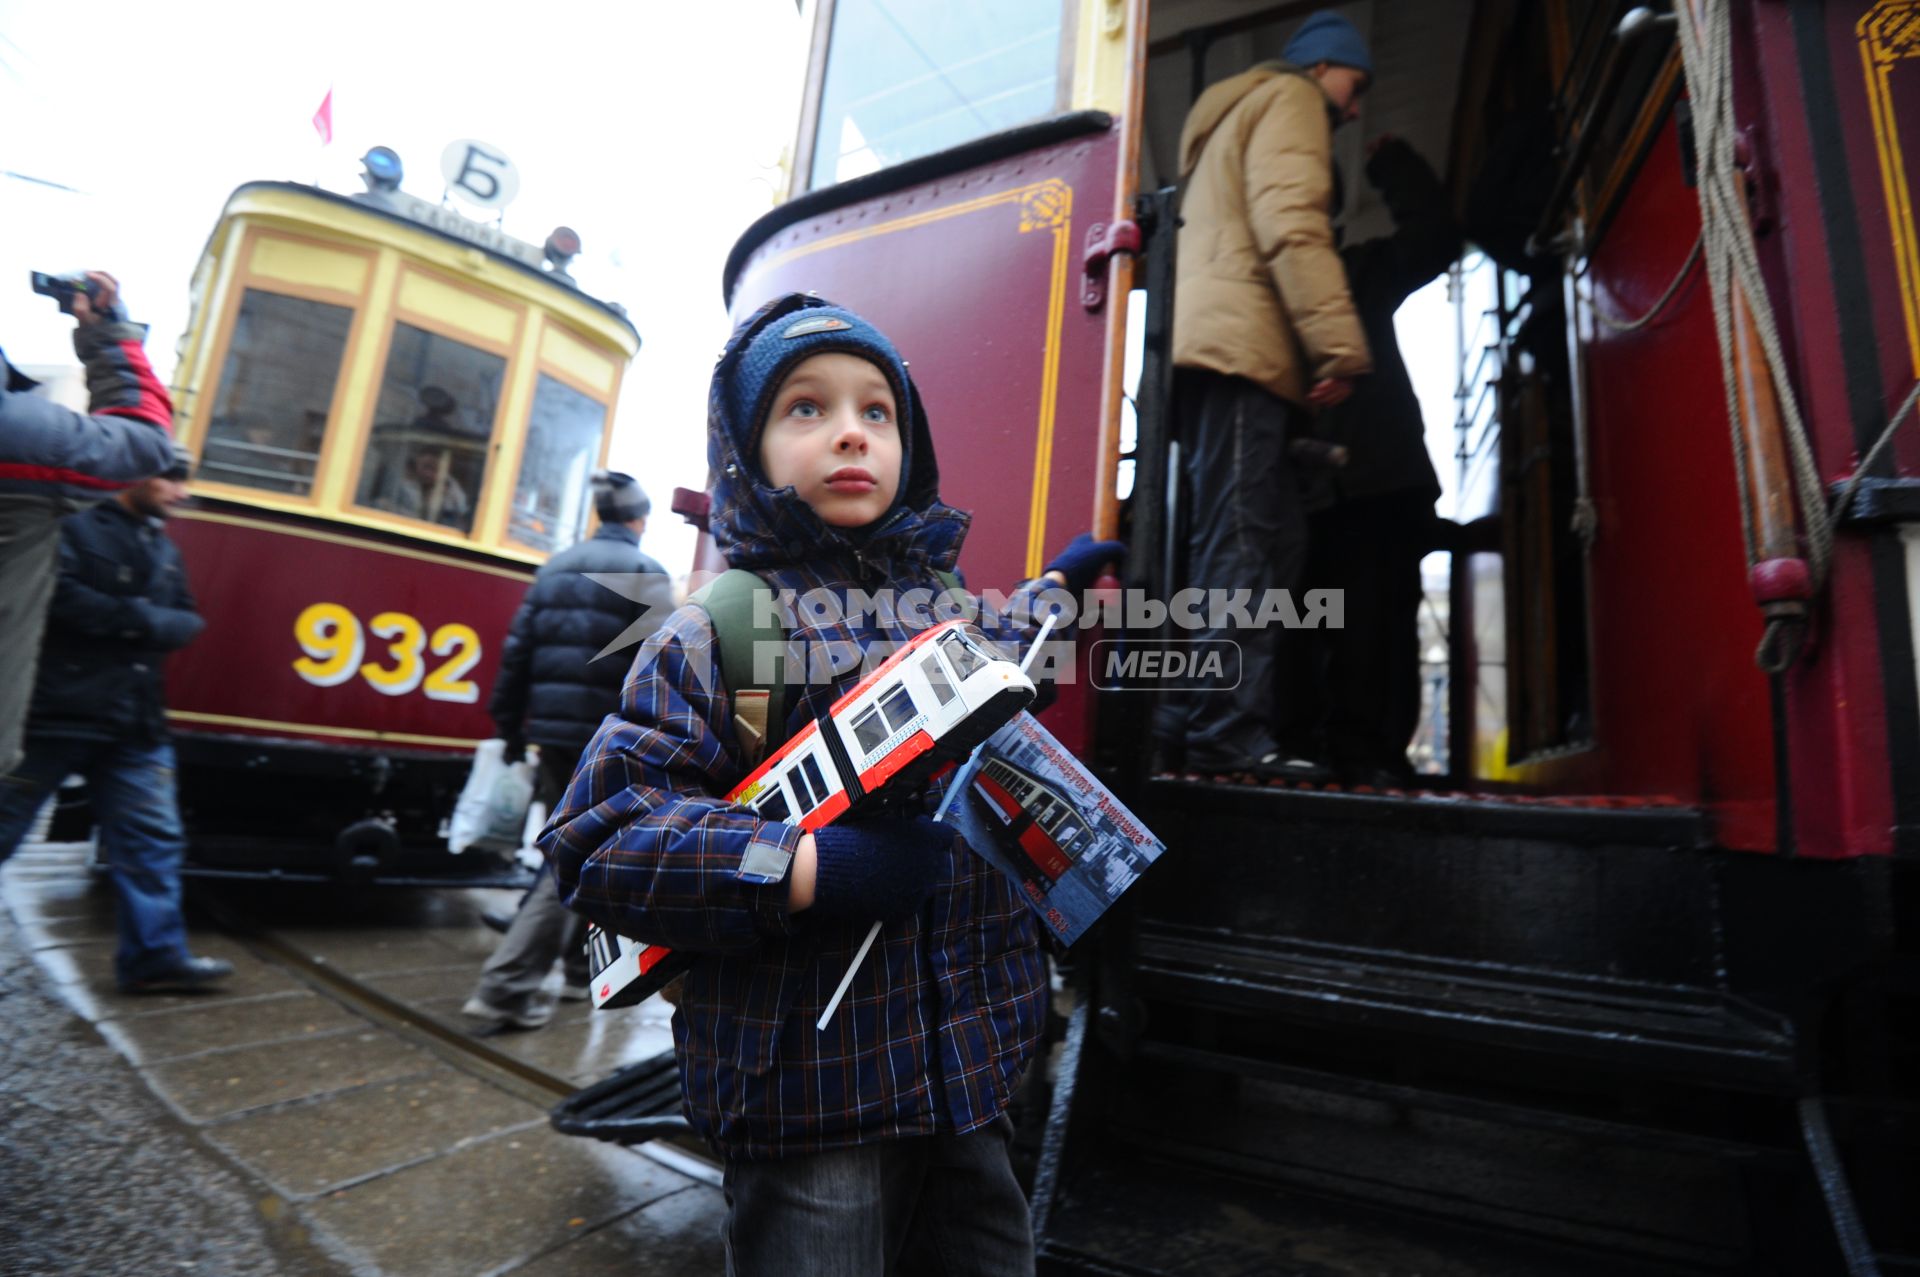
(943, 1016)
(1259, 291)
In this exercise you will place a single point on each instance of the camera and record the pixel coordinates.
(63, 288)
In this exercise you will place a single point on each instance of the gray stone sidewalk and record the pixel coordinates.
(97, 1177)
(268, 1129)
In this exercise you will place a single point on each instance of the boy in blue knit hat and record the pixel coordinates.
(879, 1142)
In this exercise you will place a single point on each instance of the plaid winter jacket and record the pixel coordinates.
(943, 1017)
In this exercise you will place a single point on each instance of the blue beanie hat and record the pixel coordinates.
(1328, 37)
(770, 354)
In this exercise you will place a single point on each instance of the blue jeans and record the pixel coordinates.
(131, 784)
(940, 1205)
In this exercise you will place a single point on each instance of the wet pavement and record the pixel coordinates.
(275, 1127)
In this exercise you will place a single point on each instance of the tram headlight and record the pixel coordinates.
(384, 169)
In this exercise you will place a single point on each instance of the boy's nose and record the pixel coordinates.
(852, 437)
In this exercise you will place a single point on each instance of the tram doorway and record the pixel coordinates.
(1545, 122)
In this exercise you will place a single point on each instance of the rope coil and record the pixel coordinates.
(1706, 50)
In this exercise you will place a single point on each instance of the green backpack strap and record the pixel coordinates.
(734, 602)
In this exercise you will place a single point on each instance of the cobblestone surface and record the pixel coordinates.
(97, 1178)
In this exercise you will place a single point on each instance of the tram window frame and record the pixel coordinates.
(245, 287)
(870, 729)
(360, 500)
(811, 766)
(934, 669)
(954, 641)
(545, 374)
(820, 82)
(776, 797)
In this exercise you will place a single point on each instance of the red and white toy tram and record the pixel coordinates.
(926, 706)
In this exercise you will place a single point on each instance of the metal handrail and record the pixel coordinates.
(1636, 24)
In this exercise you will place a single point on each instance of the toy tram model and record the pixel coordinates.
(925, 707)
(395, 411)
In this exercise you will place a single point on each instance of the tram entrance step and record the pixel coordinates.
(1662, 1030)
(1171, 1158)
(1149, 1217)
(639, 1103)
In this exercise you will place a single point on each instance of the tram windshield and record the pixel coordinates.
(427, 455)
(275, 390)
(550, 494)
(906, 80)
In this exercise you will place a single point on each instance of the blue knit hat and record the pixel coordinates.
(770, 354)
(1328, 37)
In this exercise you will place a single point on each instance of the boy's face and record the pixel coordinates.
(833, 434)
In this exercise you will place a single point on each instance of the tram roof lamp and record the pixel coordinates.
(383, 169)
(562, 246)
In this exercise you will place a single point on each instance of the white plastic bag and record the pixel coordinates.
(529, 855)
(492, 809)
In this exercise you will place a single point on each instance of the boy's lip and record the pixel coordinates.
(851, 480)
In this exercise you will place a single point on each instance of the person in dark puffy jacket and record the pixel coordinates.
(120, 607)
(560, 673)
(54, 460)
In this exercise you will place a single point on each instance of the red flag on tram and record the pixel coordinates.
(323, 118)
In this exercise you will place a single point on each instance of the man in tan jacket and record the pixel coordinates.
(1264, 332)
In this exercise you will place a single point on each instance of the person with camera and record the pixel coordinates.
(121, 606)
(52, 459)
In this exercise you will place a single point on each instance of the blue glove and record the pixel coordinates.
(882, 868)
(1082, 558)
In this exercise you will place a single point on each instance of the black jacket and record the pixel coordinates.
(1381, 423)
(121, 604)
(551, 690)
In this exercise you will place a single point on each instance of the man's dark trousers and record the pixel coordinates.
(131, 784)
(1247, 530)
(1351, 696)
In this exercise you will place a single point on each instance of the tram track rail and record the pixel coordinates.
(450, 1043)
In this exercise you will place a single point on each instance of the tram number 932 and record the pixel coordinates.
(335, 644)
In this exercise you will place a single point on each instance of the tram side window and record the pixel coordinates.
(936, 673)
(870, 730)
(433, 424)
(804, 797)
(774, 806)
(270, 412)
(550, 496)
(906, 79)
(898, 706)
(812, 769)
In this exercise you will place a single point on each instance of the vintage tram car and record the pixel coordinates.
(924, 707)
(1626, 981)
(395, 412)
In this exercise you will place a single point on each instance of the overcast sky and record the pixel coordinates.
(654, 129)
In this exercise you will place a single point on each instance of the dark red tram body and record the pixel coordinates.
(1628, 983)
